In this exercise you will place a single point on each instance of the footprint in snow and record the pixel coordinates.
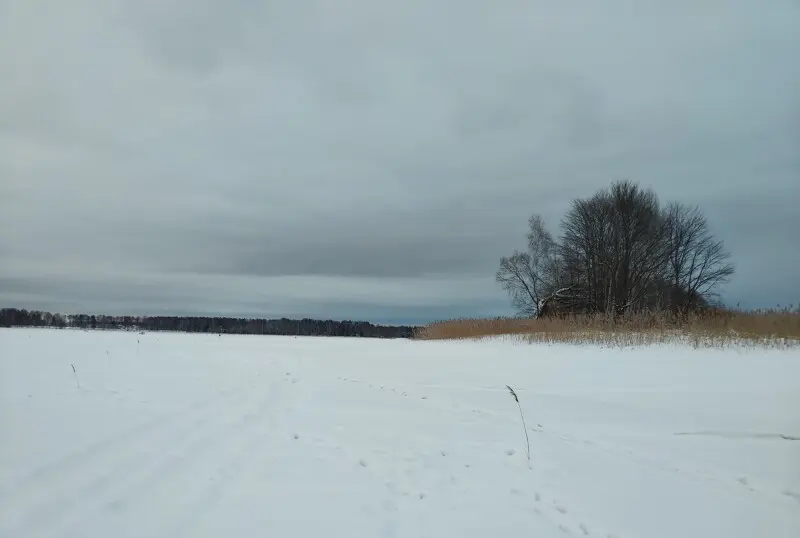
(584, 530)
(296, 436)
(511, 451)
(794, 495)
(362, 462)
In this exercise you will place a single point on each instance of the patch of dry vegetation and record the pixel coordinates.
(716, 328)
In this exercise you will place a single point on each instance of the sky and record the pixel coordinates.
(374, 160)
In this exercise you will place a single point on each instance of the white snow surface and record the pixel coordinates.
(173, 435)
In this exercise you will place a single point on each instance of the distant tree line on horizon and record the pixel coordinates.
(620, 252)
(13, 317)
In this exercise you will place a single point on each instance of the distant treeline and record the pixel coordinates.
(13, 317)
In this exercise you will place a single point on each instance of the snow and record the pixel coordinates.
(205, 435)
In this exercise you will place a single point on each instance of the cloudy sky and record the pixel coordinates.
(370, 159)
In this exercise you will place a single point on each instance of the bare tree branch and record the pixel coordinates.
(697, 263)
(529, 276)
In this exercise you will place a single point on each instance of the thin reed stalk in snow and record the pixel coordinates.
(75, 373)
(527, 439)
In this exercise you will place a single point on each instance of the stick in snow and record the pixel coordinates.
(74, 371)
(527, 440)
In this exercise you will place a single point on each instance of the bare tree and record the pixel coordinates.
(613, 246)
(697, 263)
(640, 245)
(585, 249)
(529, 277)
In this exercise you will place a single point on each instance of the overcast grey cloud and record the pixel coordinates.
(374, 160)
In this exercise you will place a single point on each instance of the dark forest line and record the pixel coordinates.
(14, 317)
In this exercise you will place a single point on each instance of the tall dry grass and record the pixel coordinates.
(717, 328)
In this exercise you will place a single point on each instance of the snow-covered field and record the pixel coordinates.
(174, 435)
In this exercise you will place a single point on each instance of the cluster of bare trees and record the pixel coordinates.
(619, 252)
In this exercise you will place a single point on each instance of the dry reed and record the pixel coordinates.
(716, 328)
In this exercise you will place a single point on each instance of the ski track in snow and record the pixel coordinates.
(129, 468)
(202, 436)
